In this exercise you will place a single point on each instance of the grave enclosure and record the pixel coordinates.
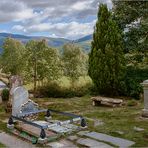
(24, 121)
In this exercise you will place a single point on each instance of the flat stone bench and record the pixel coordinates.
(96, 101)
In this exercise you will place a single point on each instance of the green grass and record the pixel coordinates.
(116, 119)
(2, 146)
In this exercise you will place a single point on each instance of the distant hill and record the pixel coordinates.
(53, 42)
(85, 42)
(85, 38)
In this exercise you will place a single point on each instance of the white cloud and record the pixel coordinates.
(62, 18)
(71, 30)
(39, 27)
(81, 5)
(14, 11)
(18, 27)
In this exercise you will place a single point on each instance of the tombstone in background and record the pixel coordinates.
(15, 81)
(0, 99)
(145, 90)
(2, 87)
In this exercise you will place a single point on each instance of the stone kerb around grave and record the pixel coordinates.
(19, 96)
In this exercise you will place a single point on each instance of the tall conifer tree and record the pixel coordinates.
(106, 59)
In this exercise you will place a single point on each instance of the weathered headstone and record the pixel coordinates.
(19, 96)
(145, 89)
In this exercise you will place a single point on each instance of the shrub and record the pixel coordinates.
(131, 85)
(56, 91)
(50, 90)
(5, 94)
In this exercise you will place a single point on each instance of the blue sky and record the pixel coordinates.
(70, 19)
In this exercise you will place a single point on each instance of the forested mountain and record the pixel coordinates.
(84, 42)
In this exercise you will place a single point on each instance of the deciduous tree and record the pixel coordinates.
(75, 62)
(12, 57)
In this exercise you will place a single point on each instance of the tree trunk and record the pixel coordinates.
(35, 77)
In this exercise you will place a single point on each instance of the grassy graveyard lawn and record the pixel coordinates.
(1, 145)
(119, 122)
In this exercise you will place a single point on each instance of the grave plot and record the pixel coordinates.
(37, 125)
(41, 131)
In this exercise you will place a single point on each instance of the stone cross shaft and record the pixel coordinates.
(145, 90)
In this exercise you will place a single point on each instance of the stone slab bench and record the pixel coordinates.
(96, 101)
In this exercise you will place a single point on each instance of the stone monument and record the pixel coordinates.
(19, 97)
(145, 90)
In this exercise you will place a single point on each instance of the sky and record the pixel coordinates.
(71, 19)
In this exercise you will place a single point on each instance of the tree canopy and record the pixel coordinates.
(75, 62)
(12, 57)
(132, 18)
